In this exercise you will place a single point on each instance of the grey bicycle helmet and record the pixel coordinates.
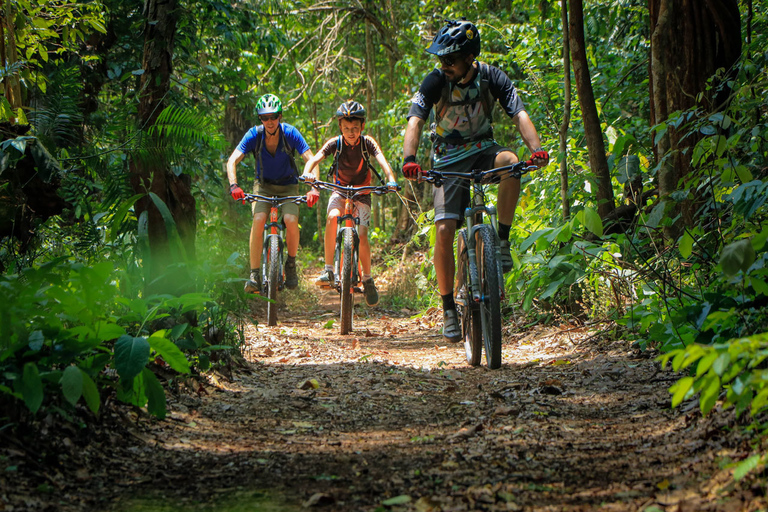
(269, 104)
(459, 36)
(350, 110)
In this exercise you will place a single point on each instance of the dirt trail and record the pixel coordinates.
(392, 418)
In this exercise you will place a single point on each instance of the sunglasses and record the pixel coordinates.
(450, 60)
(270, 117)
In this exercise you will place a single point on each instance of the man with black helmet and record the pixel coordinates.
(351, 152)
(462, 93)
(273, 144)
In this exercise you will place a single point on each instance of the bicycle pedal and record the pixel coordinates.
(357, 289)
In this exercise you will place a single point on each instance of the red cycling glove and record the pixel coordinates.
(237, 192)
(312, 197)
(412, 170)
(540, 155)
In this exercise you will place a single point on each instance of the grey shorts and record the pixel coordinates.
(361, 210)
(267, 189)
(452, 198)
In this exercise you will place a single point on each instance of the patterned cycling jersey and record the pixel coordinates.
(463, 128)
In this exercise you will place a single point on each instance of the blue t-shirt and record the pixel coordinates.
(277, 168)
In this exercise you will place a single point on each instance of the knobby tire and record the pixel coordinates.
(347, 299)
(273, 280)
(490, 306)
(471, 327)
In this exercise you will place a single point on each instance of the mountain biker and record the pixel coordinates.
(351, 167)
(274, 144)
(462, 92)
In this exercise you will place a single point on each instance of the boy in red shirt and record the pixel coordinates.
(352, 169)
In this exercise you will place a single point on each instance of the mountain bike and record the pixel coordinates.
(479, 286)
(346, 265)
(272, 277)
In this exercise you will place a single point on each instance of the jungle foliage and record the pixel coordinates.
(79, 325)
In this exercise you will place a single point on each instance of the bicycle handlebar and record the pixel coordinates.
(477, 175)
(252, 198)
(347, 190)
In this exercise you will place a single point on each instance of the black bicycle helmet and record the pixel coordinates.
(459, 36)
(350, 110)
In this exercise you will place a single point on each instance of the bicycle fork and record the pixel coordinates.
(272, 229)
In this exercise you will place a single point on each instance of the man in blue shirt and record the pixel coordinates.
(273, 144)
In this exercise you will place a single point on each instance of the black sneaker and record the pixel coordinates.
(371, 293)
(451, 326)
(506, 256)
(325, 279)
(291, 278)
(253, 284)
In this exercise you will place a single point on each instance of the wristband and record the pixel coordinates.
(409, 159)
(232, 186)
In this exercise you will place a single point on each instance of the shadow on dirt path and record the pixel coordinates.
(392, 418)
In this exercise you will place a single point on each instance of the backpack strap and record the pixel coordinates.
(367, 159)
(486, 97)
(334, 170)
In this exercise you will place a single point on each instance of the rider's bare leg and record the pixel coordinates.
(445, 264)
(256, 240)
(291, 234)
(330, 235)
(365, 250)
(509, 189)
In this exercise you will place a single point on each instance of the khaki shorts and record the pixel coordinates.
(269, 190)
(361, 210)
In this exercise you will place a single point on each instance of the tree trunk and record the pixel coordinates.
(690, 41)
(153, 174)
(563, 132)
(593, 132)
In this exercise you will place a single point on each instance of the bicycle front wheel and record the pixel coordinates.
(346, 266)
(471, 327)
(490, 305)
(273, 279)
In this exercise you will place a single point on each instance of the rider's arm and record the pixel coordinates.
(311, 166)
(412, 136)
(527, 131)
(234, 159)
(386, 167)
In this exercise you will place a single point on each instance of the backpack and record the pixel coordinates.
(333, 171)
(485, 97)
(260, 138)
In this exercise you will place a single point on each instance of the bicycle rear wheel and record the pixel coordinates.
(471, 327)
(490, 306)
(346, 267)
(273, 279)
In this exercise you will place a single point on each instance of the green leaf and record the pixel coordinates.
(680, 389)
(721, 363)
(397, 500)
(760, 286)
(119, 216)
(744, 467)
(91, 393)
(706, 363)
(169, 352)
(32, 387)
(656, 215)
(709, 394)
(686, 245)
(593, 222)
(156, 404)
(72, 384)
(131, 356)
(737, 256)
